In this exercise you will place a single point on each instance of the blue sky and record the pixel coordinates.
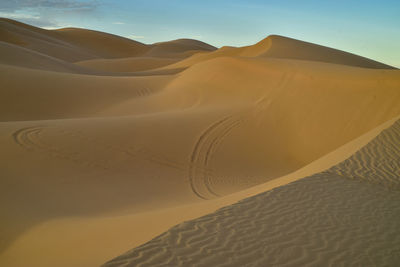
(368, 28)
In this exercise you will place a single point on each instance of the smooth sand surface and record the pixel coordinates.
(127, 64)
(107, 142)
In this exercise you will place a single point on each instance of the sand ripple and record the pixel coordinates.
(378, 162)
(322, 220)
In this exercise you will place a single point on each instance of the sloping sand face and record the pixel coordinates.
(347, 214)
(276, 46)
(107, 142)
(73, 44)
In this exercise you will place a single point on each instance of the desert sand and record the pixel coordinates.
(108, 142)
(345, 216)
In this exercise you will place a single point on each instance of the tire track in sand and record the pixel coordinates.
(23, 137)
(347, 215)
(30, 139)
(200, 176)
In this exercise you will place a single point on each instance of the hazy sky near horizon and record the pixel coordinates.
(369, 28)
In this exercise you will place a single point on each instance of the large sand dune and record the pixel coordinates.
(107, 142)
(276, 46)
(73, 44)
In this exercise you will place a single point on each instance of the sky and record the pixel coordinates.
(370, 28)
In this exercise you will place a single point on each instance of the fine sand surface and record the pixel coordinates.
(107, 142)
(345, 216)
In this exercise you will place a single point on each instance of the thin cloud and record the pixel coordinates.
(135, 37)
(118, 23)
(18, 15)
(14, 5)
(31, 19)
(44, 13)
(196, 36)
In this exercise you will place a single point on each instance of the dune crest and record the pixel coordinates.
(74, 44)
(275, 46)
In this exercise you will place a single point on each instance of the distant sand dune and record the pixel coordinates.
(324, 220)
(73, 44)
(276, 46)
(41, 41)
(22, 57)
(180, 48)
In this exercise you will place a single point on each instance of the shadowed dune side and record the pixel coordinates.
(178, 48)
(74, 44)
(18, 56)
(41, 41)
(69, 44)
(21, 57)
(42, 95)
(132, 64)
(101, 44)
(275, 46)
(158, 55)
(132, 67)
(325, 219)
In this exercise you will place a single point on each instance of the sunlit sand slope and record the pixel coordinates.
(276, 46)
(342, 215)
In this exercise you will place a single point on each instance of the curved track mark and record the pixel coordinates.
(199, 174)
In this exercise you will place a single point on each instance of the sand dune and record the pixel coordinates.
(131, 64)
(41, 41)
(22, 57)
(325, 219)
(276, 46)
(18, 56)
(107, 142)
(73, 44)
(101, 44)
(69, 44)
(99, 234)
(178, 48)
(45, 95)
